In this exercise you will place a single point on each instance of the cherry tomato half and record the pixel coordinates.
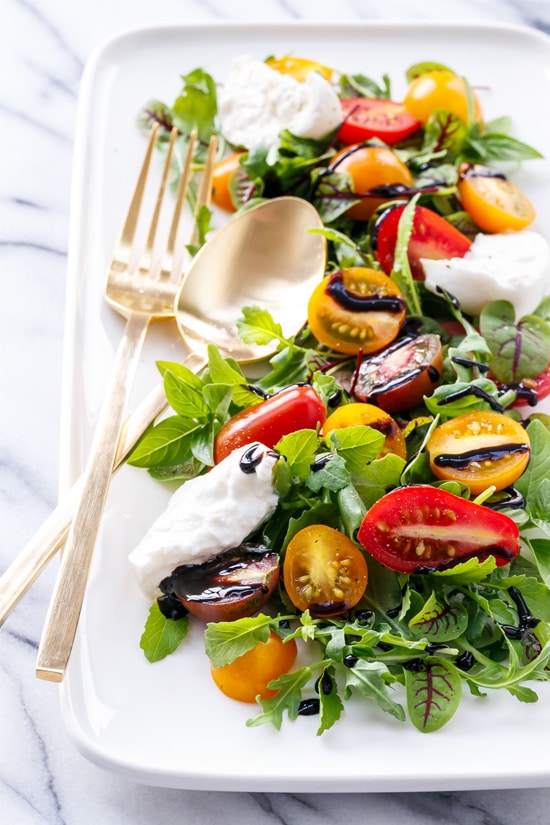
(399, 377)
(419, 528)
(249, 675)
(481, 449)
(440, 90)
(493, 202)
(298, 67)
(432, 237)
(377, 176)
(533, 390)
(294, 408)
(324, 571)
(232, 585)
(223, 173)
(356, 309)
(367, 415)
(366, 118)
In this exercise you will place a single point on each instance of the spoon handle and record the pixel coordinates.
(50, 537)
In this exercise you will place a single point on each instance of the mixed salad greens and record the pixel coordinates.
(414, 457)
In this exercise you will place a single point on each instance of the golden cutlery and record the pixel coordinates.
(142, 291)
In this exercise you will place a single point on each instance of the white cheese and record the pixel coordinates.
(204, 517)
(256, 103)
(512, 267)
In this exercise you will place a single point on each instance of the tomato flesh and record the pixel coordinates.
(356, 309)
(371, 169)
(366, 118)
(368, 415)
(493, 202)
(399, 377)
(432, 237)
(481, 449)
(250, 674)
(422, 528)
(532, 390)
(294, 408)
(233, 585)
(324, 571)
(222, 175)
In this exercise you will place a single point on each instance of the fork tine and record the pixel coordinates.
(205, 189)
(130, 223)
(150, 242)
(180, 195)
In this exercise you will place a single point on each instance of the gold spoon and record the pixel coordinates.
(265, 257)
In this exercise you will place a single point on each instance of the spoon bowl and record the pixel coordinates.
(264, 257)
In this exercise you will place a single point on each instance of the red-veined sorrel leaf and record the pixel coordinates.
(439, 623)
(433, 693)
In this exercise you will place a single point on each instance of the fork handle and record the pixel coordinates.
(68, 594)
(50, 537)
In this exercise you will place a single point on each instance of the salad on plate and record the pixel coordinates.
(369, 519)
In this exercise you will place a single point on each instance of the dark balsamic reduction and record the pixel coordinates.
(357, 303)
(171, 607)
(463, 460)
(254, 456)
(476, 170)
(478, 392)
(470, 362)
(309, 707)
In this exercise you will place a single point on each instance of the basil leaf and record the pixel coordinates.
(162, 636)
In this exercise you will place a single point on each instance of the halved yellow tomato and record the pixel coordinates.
(493, 202)
(440, 90)
(356, 309)
(481, 449)
(249, 675)
(368, 415)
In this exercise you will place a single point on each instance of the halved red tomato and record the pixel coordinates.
(366, 118)
(432, 237)
(232, 585)
(294, 408)
(532, 390)
(399, 377)
(420, 528)
(356, 308)
(481, 449)
(324, 571)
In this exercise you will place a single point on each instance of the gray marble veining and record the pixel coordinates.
(45, 44)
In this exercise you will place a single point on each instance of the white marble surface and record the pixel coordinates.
(45, 44)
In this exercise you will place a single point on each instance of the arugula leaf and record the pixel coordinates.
(162, 636)
(226, 641)
(538, 469)
(258, 327)
(289, 693)
(368, 679)
(330, 704)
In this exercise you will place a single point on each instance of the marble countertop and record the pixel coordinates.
(45, 45)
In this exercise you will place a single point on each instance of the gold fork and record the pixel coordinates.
(142, 293)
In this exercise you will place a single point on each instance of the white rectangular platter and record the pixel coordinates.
(167, 724)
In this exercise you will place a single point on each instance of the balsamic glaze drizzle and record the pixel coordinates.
(477, 392)
(463, 460)
(357, 303)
